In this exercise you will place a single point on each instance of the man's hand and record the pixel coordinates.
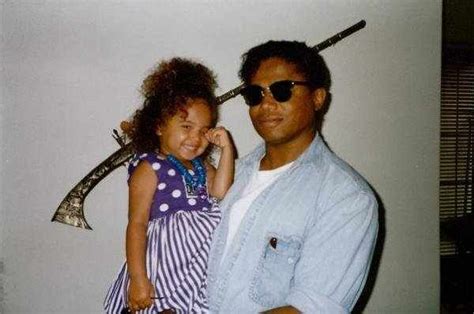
(282, 310)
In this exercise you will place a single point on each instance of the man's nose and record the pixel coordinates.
(268, 101)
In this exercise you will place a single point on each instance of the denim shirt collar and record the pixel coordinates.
(310, 156)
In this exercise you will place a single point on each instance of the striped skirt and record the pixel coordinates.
(176, 262)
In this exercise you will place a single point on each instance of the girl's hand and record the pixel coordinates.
(140, 294)
(219, 137)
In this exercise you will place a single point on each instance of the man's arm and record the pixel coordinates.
(336, 255)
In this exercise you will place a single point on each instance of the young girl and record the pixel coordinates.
(172, 193)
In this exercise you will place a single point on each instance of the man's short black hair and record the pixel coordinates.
(307, 60)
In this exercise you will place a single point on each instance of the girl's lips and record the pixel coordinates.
(191, 147)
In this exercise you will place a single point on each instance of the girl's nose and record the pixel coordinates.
(195, 137)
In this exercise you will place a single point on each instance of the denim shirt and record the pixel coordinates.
(306, 240)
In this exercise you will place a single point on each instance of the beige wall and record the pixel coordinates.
(71, 74)
(2, 211)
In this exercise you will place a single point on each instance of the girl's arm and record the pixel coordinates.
(142, 187)
(221, 179)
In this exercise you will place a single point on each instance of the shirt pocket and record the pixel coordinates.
(274, 273)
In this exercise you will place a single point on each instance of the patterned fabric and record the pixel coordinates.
(178, 243)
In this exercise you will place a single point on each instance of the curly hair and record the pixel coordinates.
(307, 60)
(166, 90)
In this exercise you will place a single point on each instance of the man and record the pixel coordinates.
(299, 224)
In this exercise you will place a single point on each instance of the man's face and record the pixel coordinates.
(284, 122)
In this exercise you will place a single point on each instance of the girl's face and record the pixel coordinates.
(183, 135)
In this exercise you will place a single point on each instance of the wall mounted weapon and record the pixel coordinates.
(71, 209)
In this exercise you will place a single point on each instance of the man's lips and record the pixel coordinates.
(269, 121)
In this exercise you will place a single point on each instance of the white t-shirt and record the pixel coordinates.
(259, 182)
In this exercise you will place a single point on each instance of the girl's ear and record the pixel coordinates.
(157, 130)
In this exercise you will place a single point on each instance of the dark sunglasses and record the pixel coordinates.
(281, 91)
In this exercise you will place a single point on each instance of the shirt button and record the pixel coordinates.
(290, 260)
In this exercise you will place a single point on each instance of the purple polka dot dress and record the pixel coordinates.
(178, 242)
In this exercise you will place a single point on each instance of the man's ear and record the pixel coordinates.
(319, 97)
